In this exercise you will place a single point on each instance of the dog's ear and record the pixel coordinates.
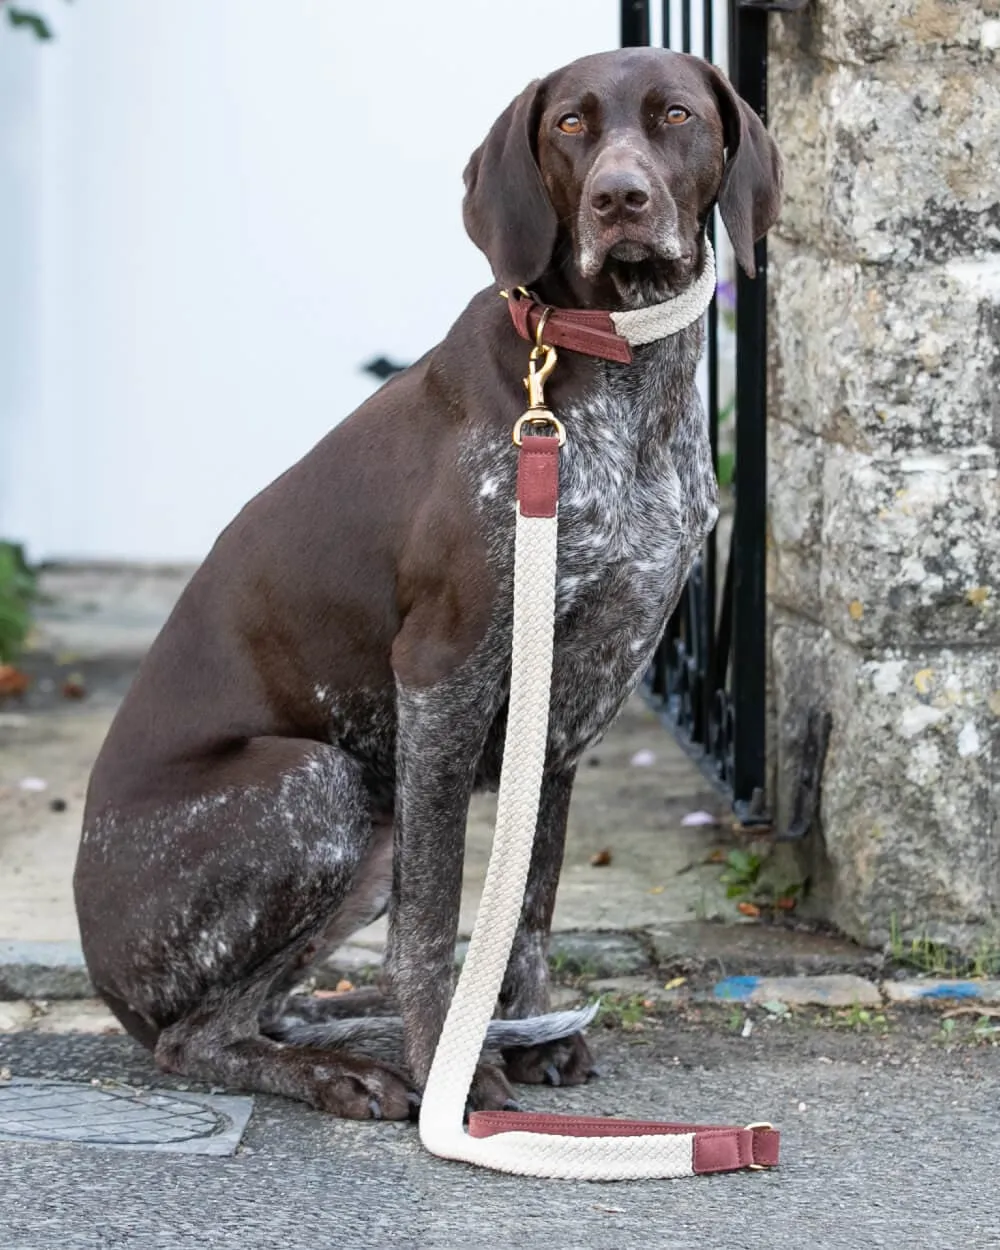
(750, 191)
(507, 211)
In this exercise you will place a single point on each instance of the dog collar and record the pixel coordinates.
(611, 336)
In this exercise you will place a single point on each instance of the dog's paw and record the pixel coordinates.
(566, 1062)
(490, 1091)
(379, 1092)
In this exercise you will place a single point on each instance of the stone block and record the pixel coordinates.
(799, 657)
(911, 792)
(795, 517)
(857, 31)
(890, 163)
(886, 360)
(911, 548)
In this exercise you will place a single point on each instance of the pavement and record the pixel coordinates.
(885, 1086)
(888, 1140)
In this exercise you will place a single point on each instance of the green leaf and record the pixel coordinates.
(17, 590)
(37, 25)
(743, 862)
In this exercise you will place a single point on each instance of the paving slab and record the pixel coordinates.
(696, 947)
(932, 990)
(43, 970)
(821, 991)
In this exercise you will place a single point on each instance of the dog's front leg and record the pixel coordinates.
(525, 989)
(441, 732)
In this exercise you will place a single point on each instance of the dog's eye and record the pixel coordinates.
(677, 116)
(570, 124)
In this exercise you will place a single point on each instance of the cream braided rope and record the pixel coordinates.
(458, 1051)
(658, 321)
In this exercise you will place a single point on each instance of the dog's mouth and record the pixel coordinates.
(631, 251)
(625, 245)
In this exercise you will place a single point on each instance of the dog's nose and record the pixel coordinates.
(619, 194)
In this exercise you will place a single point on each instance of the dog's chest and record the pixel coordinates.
(637, 496)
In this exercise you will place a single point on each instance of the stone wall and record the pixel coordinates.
(883, 443)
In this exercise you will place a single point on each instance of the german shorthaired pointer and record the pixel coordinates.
(297, 752)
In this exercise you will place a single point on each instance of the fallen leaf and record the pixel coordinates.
(978, 595)
(675, 983)
(12, 681)
(718, 856)
(601, 859)
(786, 904)
(856, 609)
(73, 687)
(748, 909)
(344, 986)
(657, 889)
(694, 819)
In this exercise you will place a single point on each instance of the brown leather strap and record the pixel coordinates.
(577, 329)
(715, 1149)
(538, 475)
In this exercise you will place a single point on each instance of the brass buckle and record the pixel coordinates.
(767, 1126)
(538, 416)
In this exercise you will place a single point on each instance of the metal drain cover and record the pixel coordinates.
(120, 1118)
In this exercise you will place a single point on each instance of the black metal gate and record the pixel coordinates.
(708, 677)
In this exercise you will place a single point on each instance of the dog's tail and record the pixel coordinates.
(381, 1037)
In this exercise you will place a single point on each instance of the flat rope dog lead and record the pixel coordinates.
(525, 1144)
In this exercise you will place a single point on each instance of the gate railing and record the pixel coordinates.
(708, 677)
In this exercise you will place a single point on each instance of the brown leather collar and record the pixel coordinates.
(577, 329)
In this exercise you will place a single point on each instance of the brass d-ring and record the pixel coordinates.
(546, 313)
(538, 416)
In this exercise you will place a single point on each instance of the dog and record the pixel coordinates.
(298, 749)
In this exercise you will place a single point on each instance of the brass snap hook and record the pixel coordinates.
(546, 313)
(538, 373)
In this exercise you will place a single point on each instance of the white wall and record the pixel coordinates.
(210, 214)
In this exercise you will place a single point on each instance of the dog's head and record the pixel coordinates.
(610, 167)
